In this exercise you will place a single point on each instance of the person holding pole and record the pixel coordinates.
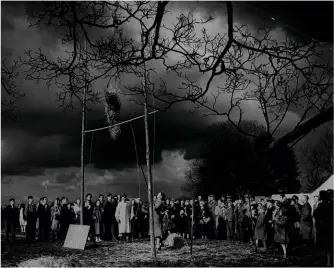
(159, 208)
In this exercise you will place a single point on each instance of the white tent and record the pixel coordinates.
(328, 184)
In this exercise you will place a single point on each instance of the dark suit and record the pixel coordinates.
(109, 219)
(12, 217)
(306, 222)
(65, 219)
(44, 215)
(31, 216)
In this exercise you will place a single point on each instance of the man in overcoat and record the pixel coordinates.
(109, 218)
(31, 217)
(306, 220)
(11, 219)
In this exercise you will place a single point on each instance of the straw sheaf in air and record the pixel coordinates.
(113, 107)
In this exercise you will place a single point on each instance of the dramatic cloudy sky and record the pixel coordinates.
(40, 154)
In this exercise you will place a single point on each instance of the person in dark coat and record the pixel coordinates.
(44, 217)
(135, 223)
(239, 221)
(188, 212)
(64, 219)
(269, 221)
(281, 229)
(295, 210)
(88, 219)
(306, 220)
(182, 222)
(31, 217)
(229, 219)
(11, 218)
(102, 227)
(109, 218)
(197, 218)
(166, 224)
(323, 215)
(260, 230)
(173, 217)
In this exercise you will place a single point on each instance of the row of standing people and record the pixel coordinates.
(104, 218)
(285, 222)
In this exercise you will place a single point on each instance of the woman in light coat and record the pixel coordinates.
(23, 222)
(122, 215)
(55, 214)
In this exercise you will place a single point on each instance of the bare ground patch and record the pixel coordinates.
(205, 253)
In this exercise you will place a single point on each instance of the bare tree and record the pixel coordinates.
(277, 76)
(10, 94)
(193, 178)
(319, 160)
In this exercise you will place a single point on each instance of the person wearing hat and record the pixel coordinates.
(122, 215)
(324, 223)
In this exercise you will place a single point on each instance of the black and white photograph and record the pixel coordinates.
(167, 133)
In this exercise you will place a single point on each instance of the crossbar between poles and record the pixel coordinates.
(121, 123)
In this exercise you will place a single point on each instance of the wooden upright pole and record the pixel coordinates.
(192, 225)
(149, 171)
(83, 140)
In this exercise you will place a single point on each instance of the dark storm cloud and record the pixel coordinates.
(36, 146)
(41, 118)
(313, 18)
(46, 152)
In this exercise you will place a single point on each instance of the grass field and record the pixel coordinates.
(205, 253)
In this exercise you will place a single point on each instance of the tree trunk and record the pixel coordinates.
(149, 173)
(192, 225)
(82, 155)
(83, 145)
(304, 128)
